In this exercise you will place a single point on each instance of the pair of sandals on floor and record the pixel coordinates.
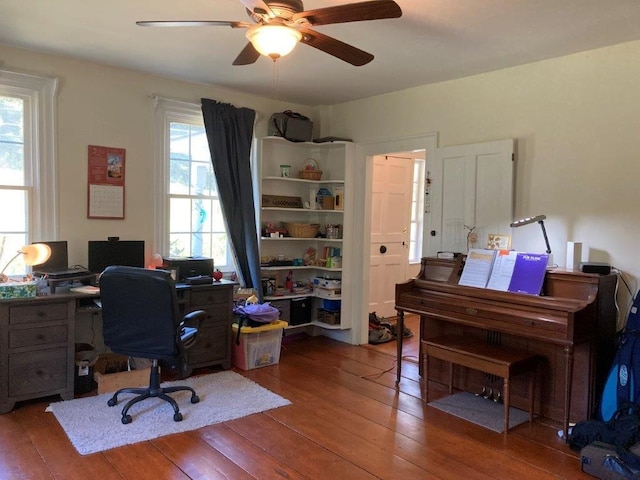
(381, 331)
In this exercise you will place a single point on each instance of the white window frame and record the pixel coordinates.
(418, 211)
(39, 95)
(167, 111)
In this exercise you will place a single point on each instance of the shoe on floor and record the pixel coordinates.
(373, 318)
(393, 328)
(378, 335)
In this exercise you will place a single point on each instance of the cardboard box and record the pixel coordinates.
(17, 290)
(109, 380)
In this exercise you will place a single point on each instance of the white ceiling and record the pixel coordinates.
(434, 40)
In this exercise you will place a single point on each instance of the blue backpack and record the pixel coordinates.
(622, 386)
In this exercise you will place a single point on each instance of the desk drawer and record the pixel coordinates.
(41, 371)
(210, 296)
(212, 346)
(30, 337)
(38, 313)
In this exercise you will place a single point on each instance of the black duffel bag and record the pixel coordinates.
(292, 126)
(620, 431)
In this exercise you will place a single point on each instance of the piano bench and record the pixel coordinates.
(479, 355)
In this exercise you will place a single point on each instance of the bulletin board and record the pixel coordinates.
(105, 182)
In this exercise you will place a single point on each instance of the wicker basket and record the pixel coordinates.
(310, 174)
(303, 230)
(310, 170)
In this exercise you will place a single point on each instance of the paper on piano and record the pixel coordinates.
(477, 268)
(502, 270)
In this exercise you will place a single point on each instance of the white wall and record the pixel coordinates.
(576, 120)
(101, 105)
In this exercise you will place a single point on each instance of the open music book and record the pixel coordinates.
(505, 270)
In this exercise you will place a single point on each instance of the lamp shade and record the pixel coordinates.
(274, 41)
(36, 253)
(33, 254)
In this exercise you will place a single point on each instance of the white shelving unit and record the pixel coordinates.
(332, 159)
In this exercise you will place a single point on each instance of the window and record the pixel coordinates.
(417, 209)
(189, 200)
(27, 164)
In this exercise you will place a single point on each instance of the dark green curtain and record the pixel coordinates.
(230, 133)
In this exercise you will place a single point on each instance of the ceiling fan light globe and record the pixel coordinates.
(273, 41)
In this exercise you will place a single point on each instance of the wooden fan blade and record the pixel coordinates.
(352, 12)
(258, 7)
(338, 49)
(247, 56)
(193, 23)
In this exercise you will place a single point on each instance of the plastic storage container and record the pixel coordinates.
(259, 346)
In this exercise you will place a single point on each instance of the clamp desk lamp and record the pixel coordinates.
(540, 220)
(33, 254)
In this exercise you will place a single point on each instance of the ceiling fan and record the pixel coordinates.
(280, 24)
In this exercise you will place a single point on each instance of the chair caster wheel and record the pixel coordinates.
(111, 402)
(126, 419)
(177, 417)
(195, 399)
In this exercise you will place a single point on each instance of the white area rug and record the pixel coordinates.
(92, 426)
(480, 411)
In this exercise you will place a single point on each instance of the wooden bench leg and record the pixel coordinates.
(425, 370)
(532, 391)
(450, 378)
(506, 399)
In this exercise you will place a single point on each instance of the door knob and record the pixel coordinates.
(383, 249)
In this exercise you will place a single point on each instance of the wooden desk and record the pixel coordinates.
(37, 339)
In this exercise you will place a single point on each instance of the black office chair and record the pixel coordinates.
(141, 319)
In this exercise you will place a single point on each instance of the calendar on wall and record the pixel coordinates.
(106, 182)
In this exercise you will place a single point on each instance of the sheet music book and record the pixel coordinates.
(502, 270)
(528, 273)
(505, 270)
(477, 267)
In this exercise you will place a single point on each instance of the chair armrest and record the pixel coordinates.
(188, 328)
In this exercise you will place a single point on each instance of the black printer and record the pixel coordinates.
(188, 266)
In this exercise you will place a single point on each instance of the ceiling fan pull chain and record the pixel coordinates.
(275, 85)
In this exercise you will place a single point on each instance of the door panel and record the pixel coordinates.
(390, 223)
(472, 187)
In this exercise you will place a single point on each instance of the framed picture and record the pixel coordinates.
(498, 241)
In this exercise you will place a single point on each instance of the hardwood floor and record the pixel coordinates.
(347, 421)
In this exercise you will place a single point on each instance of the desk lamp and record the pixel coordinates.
(540, 220)
(33, 254)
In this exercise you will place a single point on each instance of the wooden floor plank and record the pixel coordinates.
(347, 420)
(251, 457)
(409, 437)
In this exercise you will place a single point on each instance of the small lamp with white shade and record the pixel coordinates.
(33, 254)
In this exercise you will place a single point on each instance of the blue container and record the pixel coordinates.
(332, 305)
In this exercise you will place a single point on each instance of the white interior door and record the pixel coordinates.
(390, 223)
(472, 188)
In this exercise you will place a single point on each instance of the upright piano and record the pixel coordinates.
(571, 326)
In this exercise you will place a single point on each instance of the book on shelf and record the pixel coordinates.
(505, 270)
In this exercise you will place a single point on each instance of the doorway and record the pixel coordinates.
(397, 212)
(362, 222)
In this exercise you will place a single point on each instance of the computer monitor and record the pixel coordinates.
(103, 253)
(59, 259)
